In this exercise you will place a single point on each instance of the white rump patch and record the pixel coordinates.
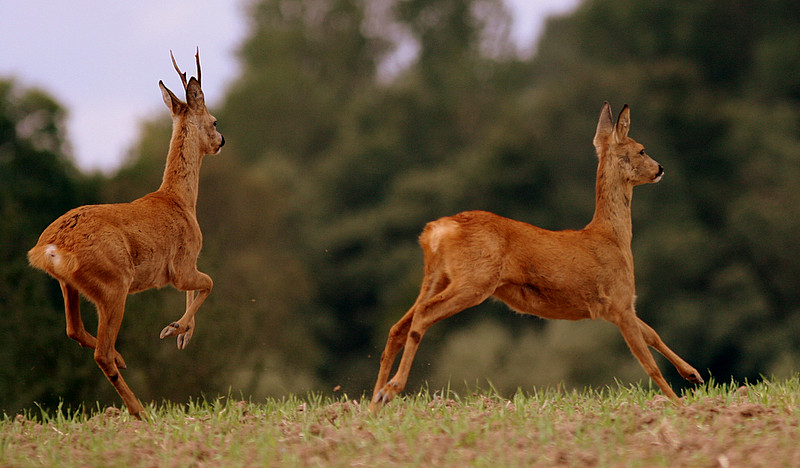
(51, 251)
(441, 229)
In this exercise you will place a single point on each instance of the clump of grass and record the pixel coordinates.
(718, 424)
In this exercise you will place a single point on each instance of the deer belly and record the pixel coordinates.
(545, 303)
(149, 276)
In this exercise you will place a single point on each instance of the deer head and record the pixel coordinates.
(622, 154)
(193, 112)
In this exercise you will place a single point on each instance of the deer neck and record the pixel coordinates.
(612, 213)
(182, 172)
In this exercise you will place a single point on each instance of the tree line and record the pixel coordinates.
(335, 159)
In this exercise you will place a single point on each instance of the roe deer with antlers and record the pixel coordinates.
(572, 275)
(106, 252)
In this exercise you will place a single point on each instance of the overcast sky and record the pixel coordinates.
(102, 60)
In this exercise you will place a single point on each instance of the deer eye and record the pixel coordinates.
(640, 152)
(215, 124)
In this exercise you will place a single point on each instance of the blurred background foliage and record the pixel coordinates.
(355, 122)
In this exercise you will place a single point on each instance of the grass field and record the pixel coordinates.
(717, 425)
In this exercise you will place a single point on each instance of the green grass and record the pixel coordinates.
(718, 425)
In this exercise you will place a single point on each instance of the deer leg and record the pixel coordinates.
(183, 339)
(631, 331)
(75, 327)
(398, 335)
(651, 337)
(449, 302)
(72, 309)
(399, 331)
(200, 282)
(110, 312)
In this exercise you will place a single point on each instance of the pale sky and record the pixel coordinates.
(102, 60)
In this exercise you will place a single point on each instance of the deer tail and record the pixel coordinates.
(54, 260)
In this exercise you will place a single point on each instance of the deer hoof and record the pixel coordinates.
(691, 375)
(695, 378)
(170, 330)
(374, 407)
(384, 396)
(183, 339)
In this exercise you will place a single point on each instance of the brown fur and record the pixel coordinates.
(106, 252)
(572, 275)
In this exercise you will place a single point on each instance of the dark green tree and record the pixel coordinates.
(719, 111)
(301, 63)
(37, 184)
(342, 145)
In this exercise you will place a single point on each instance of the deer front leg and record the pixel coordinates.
(651, 337)
(184, 327)
(183, 339)
(629, 326)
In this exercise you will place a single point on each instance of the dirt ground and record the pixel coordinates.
(440, 432)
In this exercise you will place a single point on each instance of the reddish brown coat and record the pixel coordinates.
(572, 275)
(106, 252)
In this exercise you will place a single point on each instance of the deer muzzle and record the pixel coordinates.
(659, 174)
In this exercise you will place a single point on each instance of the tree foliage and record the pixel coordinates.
(343, 144)
(37, 183)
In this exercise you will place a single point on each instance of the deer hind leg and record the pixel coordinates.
(651, 337)
(184, 327)
(398, 335)
(632, 332)
(110, 312)
(433, 283)
(75, 327)
(399, 331)
(452, 300)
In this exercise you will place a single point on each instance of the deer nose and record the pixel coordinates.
(660, 171)
(223, 144)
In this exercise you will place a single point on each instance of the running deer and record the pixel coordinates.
(106, 252)
(572, 275)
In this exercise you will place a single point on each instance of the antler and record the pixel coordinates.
(180, 73)
(183, 74)
(197, 58)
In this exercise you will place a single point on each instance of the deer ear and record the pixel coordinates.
(194, 95)
(604, 126)
(174, 104)
(623, 124)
